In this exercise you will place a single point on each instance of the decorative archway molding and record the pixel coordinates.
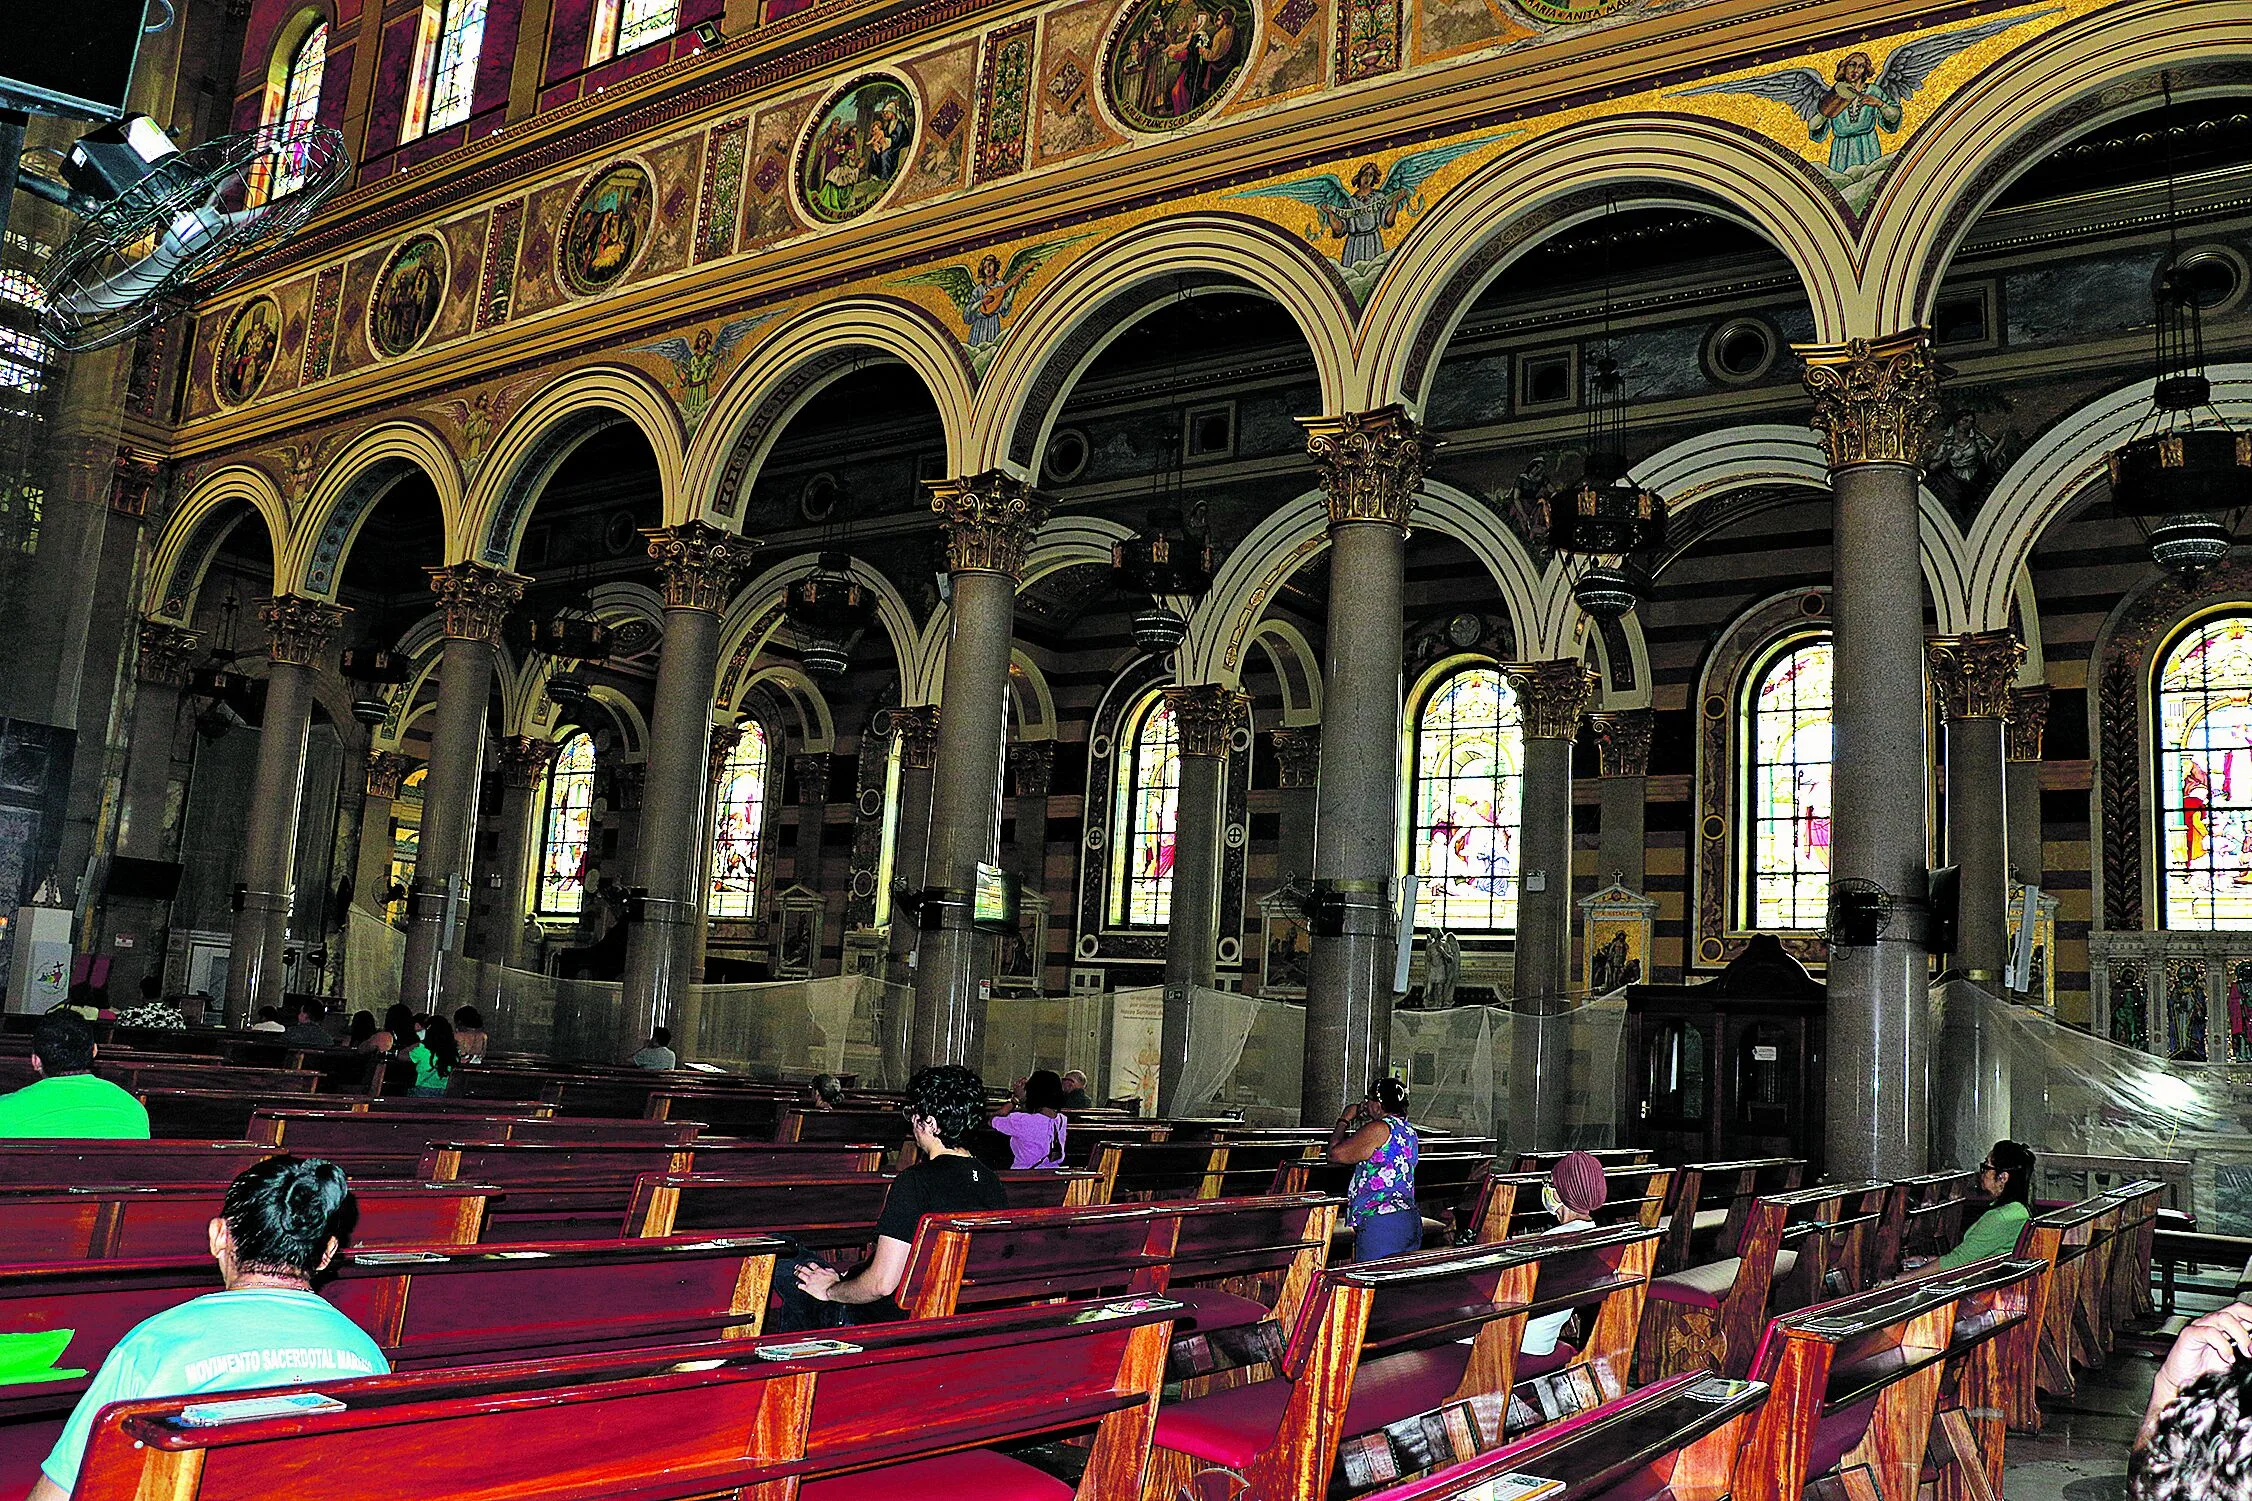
(1297, 668)
(197, 527)
(1031, 701)
(809, 707)
(754, 615)
(527, 452)
(354, 484)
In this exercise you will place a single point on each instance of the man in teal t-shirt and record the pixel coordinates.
(67, 1099)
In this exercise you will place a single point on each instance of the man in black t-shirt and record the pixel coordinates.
(944, 1105)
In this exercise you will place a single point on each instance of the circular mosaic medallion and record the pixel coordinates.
(607, 229)
(1566, 12)
(855, 148)
(1170, 61)
(407, 295)
(247, 352)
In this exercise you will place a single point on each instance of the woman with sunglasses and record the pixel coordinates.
(2006, 1178)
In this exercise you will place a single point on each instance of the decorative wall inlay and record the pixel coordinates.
(607, 229)
(407, 294)
(1170, 61)
(1972, 674)
(1368, 39)
(721, 202)
(1004, 102)
(246, 352)
(497, 287)
(855, 148)
(320, 323)
(1874, 399)
(1370, 463)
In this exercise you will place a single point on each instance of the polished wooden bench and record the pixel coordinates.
(204, 1114)
(1709, 1317)
(97, 1223)
(885, 1128)
(1678, 1440)
(1448, 1182)
(731, 1113)
(315, 1133)
(81, 1161)
(823, 1213)
(177, 1073)
(904, 1410)
(1712, 1201)
(1828, 1244)
(1923, 1216)
(1990, 1362)
(1380, 1343)
(2066, 1239)
(1510, 1204)
(1082, 1140)
(2133, 1246)
(443, 1105)
(1156, 1170)
(1610, 1157)
(572, 1192)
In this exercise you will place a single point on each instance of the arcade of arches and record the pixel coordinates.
(833, 363)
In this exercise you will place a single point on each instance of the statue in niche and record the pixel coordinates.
(2128, 1007)
(2185, 1014)
(1442, 969)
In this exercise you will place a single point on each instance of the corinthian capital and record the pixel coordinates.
(1298, 755)
(990, 520)
(917, 729)
(386, 770)
(523, 759)
(1874, 399)
(2029, 721)
(1206, 715)
(475, 598)
(299, 628)
(1974, 673)
(725, 738)
(1552, 696)
(167, 650)
(1371, 464)
(698, 564)
(1622, 742)
(1032, 767)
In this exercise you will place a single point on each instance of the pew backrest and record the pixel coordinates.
(95, 1224)
(825, 1212)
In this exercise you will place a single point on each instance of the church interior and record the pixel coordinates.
(1629, 600)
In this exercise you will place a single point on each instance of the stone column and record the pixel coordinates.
(298, 630)
(1973, 676)
(916, 729)
(1873, 405)
(1032, 773)
(523, 761)
(160, 672)
(1622, 748)
(989, 520)
(371, 875)
(1206, 716)
(811, 773)
(697, 565)
(1298, 761)
(2028, 723)
(1551, 696)
(474, 599)
(1370, 465)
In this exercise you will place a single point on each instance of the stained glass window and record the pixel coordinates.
(1468, 800)
(406, 840)
(737, 823)
(622, 25)
(566, 822)
(300, 103)
(445, 73)
(1149, 800)
(2204, 747)
(1786, 801)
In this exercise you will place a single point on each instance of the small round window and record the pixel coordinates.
(2216, 276)
(1068, 453)
(1740, 352)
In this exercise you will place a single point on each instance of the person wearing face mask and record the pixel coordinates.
(1575, 1190)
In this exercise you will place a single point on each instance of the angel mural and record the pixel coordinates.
(1854, 109)
(696, 365)
(1359, 217)
(986, 297)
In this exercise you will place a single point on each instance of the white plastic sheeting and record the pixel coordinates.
(1457, 1064)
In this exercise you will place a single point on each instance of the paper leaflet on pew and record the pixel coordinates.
(1516, 1486)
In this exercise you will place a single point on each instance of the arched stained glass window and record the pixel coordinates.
(1146, 815)
(443, 86)
(1785, 832)
(300, 102)
(1467, 803)
(2204, 735)
(738, 822)
(566, 823)
(620, 26)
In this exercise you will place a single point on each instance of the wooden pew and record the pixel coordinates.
(1709, 1317)
(71, 1162)
(204, 1114)
(1990, 1364)
(2139, 1206)
(315, 1133)
(884, 1128)
(1829, 1229)
(1545, 1162)
(1146, 1171)
(823, 1213)
(1382, 1343)
(692, 1421)
(573, 1192)
(1678, 1439)
(1080, 1145)
(1923, 1216)
(743, 1113)
(2065, 1239)
(1712, 1202)
(444, 1105)
(1510, 1204)
(1448, 1183)
(94, 1224)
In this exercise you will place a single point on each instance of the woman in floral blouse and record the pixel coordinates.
(1380, 1202)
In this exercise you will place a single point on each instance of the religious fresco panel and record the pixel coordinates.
(608, 229)
(678, 166)
(1167, 63)
(855, 149)
(407, 295)
(247, 350)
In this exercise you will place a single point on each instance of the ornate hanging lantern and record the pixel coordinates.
(371, 668)
(829, 607)
(1163, 561)
(567, 689)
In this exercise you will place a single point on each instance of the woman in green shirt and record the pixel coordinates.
(2006, 1177)
(434, 1057)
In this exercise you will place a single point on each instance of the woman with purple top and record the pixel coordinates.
(1034, 1123)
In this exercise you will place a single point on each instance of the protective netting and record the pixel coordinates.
(374, 954)
(1458, 1064)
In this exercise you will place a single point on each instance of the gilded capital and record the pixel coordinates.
(725, 738)
(1206, 715)
(1552, 696)
(917, 730)
(475, 599)
(523, 759)
(1973, 673)
(1298, 755)
(386, 770)
(1622, 741)
(812, 772)
(1032, 767)
(2029, 721)
(1371, 464)
(989, 520)
(1874, 399)
(167, 651)
(298, 629)
(698, 564)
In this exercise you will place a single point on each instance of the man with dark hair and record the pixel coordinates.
(944, 1106)
(269, 1020)
(657, 1053)
(2196, 1439)
(67, 1100)
(306, 1031)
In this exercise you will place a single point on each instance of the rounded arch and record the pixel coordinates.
(2067, 80)
(632, 728)
(526, 453)
(1297, 669)
(217, 504)
(1622, 662)
(789, 686)
(287, 43)
(1031, 701)
(1077, 315)
(1455, 252)
(2053, 475)
(754, 615)
(351, 487)
(422, 644)
(796, 362)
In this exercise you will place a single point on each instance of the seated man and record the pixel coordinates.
(1075, 1091)
(2192, 1443)
(269, 1020)
(67, 1100)
(277, 1226)
(944, 1106)
(657, 1052)
(306, 1030)
(154, 1010)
